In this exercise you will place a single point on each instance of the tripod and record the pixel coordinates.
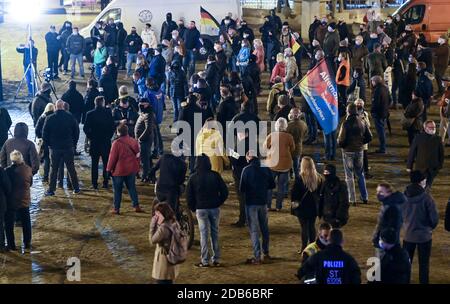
(35, 78)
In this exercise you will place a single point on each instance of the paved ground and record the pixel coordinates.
(116, 249)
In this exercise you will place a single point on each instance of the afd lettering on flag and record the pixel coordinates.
(320, 91)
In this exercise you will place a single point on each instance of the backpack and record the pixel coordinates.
(178, 245)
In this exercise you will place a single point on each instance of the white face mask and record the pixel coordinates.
(389, 21)
(227, 22)
(441, 41)
(317, 57)
(330, 29)
(358, 42)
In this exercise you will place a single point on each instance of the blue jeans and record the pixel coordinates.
(330, 145)
(361, 82)
(176, 102)
(29, 79)
(130, 182)
(353, 166)
(112, 51)
(380, 127)
(312, 126)
(131, 58)
(296, 166)
(74, 59)
(98, 69)
(258, 223)
(189, 62)
(232, 63)
(282, 188)
(208, 220)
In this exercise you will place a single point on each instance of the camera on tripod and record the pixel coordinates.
(48, 75)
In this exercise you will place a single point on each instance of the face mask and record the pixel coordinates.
(441, 41)
(339, 59)
(144, 49)
(243, 24)
(174, 37)
(133, 32)
(381, 244)
(243, 45)
(330, 29)
(245, 36)
(101, 32)
(380, 197)
(75, 33)
(324, 241)
(315, 43)
(143, 108)
(389, 21)
(317, 57)
(373, 36)
(67, 25)
(227, 22)
(358, 42)
(431, 132)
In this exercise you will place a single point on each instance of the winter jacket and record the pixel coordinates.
(273, 48)
(178, 84)
(133, 43)
(210, 143)
(5, 190)
(260, 61)
(414, 111)
(272, 100)
(20, 143)
(40, 124)
(5, 124)
(332, 266)
(420, 215)
(111, 35)
(21, 179)
(441, 54)
(256, 180)
(76, 103)
(278, 70)
(89, 100)
(424, 87)
(158, 69)
(212, 75)
(61, 131)
(283, 112)
(149, 37)
(333, 206)
(352, 133)
(226, 111)
(426, 153)
(99, 129)
(426, 55)
(280, 147)
(390, 216)
(100, 56)
(121, 36)
(291, 69)
(380, 101)
(52, 42)
(187, 113)
(299, 130)
(331, 44)
(38, 105)
(243, 56)
(395, 266)
(343, 31)
(156, 98)
(191, 38)
(161, 235)
(166, 30)
(124, 157)
(205, 188)
(110, 91)
(26, 55)
(309, 201)
(320, 34)
(377, 64)
(129, 114)
(172, 173)
(145, 127)
(408, 85)
(75, 44)
(246, 30)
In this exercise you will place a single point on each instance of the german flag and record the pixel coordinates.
(295, 45)
(208, 22)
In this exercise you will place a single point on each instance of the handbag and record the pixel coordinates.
(406, 123)
(296, 204)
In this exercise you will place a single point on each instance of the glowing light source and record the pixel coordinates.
(25, 10)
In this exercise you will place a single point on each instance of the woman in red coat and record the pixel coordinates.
(123, 165)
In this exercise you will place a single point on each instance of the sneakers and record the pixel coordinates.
(138, 210)
(49, 193)
(77, 191)
(201, 265)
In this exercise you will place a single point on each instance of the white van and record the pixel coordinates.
(139, 12)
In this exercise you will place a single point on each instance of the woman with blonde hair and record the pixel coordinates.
(43, 150)
(279, 69)
(305, 197)
(259, 53)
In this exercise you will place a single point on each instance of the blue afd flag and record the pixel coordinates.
(320, 91)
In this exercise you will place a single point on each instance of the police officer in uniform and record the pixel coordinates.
(332, 265)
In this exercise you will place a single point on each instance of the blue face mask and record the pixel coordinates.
(380, 197)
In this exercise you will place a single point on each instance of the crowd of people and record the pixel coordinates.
(123, 129)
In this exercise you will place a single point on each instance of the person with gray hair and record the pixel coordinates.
(299, 130)
(280, 147)
(380, 110)
(19, 200)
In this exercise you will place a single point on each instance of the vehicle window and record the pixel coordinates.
(115, 13)
(415, 14)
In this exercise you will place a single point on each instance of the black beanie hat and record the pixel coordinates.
(330, 168)
(389, 236)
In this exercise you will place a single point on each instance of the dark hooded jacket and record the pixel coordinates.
(333, 206)
(5, 124)
(75, 101)
(420, 215)
(20, 143)
(205, 188)
(89, 99)
(167, 27)
(21, 179)
(256, 180)
(172, 172)
(99, 129)
(61, 131)
(38, 105)
(5, 190)
(390, 216)
(395, 266)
